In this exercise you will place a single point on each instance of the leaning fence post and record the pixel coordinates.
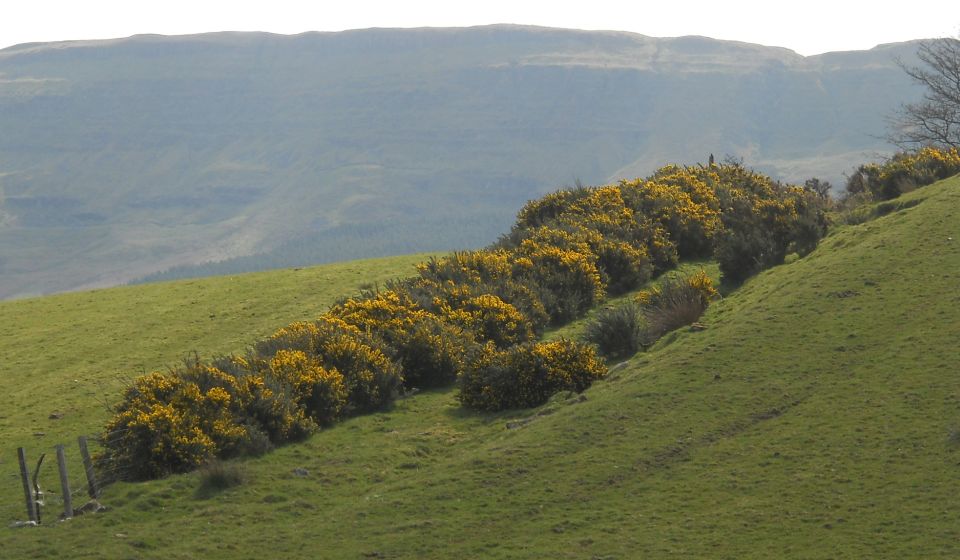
(92, 489)
(64, 483)
(27, 491)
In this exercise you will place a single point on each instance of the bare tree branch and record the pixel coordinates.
(935, 119)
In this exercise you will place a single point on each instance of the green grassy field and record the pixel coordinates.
(70, 354)
(816, 417)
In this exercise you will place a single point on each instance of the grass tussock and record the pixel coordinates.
(953, 438)
(679, 306)
(217, 476)
(621, 331)
(676, 303)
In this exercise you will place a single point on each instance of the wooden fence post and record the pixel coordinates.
(27, 491)
(64, 483)
(92, 489)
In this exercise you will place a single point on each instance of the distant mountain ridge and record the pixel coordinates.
(122, 158)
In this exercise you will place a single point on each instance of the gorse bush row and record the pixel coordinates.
(304, 376)
(470, 316)
(904, 172)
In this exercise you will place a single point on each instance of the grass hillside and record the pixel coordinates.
(816, 417)
(69, 354)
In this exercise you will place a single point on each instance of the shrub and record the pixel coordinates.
(273, 411)
(269, 407)
(764, 222)
(522, 297)
(468, 267)
(683, 203)
(548, 207)
(855, 208)
(810, 221)
(235, 376)
(166, 424)
(702, 284)
(604, 212)
(741, 253)
(662, 250)
(478, 311)
(306, 336)
(432, 352)
(622, 266)
(319, 391)
(490, 318)
(566, 281)
(527, 375)
(442, 298)
(905, 171)
(619, 332)
(429, 350)
(370, 378)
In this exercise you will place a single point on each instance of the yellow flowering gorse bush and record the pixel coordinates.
(527, 375)
(319, 391)
(905, 171)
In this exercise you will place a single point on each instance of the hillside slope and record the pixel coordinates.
(815, 417)
(71, 354)
(123, 158)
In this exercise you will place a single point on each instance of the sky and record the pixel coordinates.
(807, 27)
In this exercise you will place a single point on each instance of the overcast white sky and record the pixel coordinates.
(808, 27)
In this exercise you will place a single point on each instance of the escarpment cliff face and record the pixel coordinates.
(126, 157)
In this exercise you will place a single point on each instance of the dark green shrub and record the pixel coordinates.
(760, 229)
(809, 223)
(273, 409)
(661, 248)
(619, 332)
(431, 353)
(623, 267)
(741, 254)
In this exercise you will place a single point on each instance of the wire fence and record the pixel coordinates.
(45, 482)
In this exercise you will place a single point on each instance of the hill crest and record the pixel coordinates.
(137, 155)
